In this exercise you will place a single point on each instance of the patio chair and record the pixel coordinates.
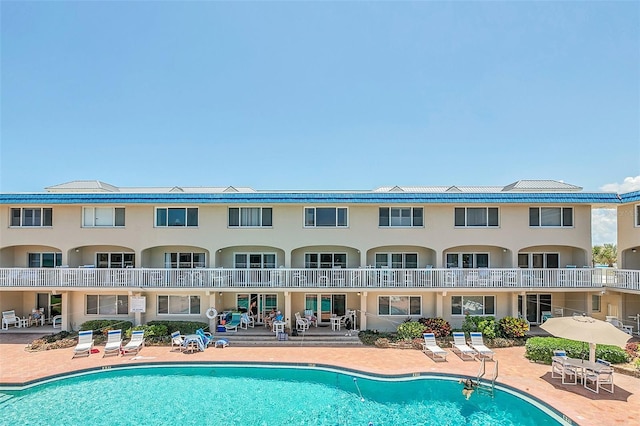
(619, 325)
(246, 321)
(561, 368)
(477, 344)
(177, 341)
(8, 318)
(37, 317)
(114, 343)
(546, 315)
(232, 325)
(135, 344)
(460, 347)
(602, 378)
(85, 344)
(302, 324)
(308, 314)
(207, 338)
(431, 347)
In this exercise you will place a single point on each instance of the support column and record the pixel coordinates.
(287, 309)
(514, 305)
(210, 296)
(440, 304)
(363, 310)
(137, 316)
(64, 311)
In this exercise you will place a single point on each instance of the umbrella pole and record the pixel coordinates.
(592, 352)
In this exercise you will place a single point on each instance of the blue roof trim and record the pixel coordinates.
(630, 197)
(311, 198)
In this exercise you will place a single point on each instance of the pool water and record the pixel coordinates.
(252, 395)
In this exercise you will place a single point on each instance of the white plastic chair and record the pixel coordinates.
(85, 344)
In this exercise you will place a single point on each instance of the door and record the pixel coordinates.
(536, 305)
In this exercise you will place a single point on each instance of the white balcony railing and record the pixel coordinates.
(319, 278)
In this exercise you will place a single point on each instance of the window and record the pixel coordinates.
(637, 222)
(102, 216)
(115, 260)
(473, 305)
(550, 216)
(476, 216)
(538, 260)
(400, 216)
(184, 260)
(45, 260)
(255, 260)
(38, 216)
(179, 305)
(107, 304)
(325, 217)
(176, 216)
(325, 260)
(397, 260)
(595, 302)
(399, 305)
(250, 216)
(467, 260)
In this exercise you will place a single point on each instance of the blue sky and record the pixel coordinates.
(319, 95)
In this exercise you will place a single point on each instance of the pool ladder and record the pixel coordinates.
(487, 385)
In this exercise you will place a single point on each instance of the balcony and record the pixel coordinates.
(292, 278)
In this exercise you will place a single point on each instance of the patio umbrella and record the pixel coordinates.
(586, 329)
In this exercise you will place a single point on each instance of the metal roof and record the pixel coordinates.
(630, 197)
(312, 198)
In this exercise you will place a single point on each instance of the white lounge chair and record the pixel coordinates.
(177, 341)
(85, 344)
(477, 344)
(460, 347)
(431, 347)
(114, 343)
(135, 344)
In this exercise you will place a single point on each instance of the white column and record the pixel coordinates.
(287, 308)
(440, 304)
(363, 310)
(64, 311)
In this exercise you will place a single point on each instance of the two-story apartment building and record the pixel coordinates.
(87, 249)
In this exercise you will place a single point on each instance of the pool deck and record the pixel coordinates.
(580, 405)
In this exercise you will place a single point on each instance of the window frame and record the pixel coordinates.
(322, 260)
(314, 210)
(637, 219)
(188, 219)
(57, 259)
(539, 217)
(463, 313)
(412, 217)
(189, 298)
(45, 217)
(392, 260)
(462, 260)
(116, 304)
(261, 219)
(487, 217)
(181, 260)
(128, 259)
(410, 304)
(264, 260)
(114, 217)
(533, 259)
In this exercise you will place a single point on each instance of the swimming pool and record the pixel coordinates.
(262, 395)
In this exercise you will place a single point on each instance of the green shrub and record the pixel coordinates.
(184, 327)
(153, 332)
(102, 326)
(410, 330)
(540, 349)
(472, 323)
(369, 337)
(438, 326)
(511, 327)
(488, 327)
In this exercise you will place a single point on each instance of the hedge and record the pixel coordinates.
(540, 349)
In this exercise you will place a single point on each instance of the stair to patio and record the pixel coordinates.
(321, 336)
